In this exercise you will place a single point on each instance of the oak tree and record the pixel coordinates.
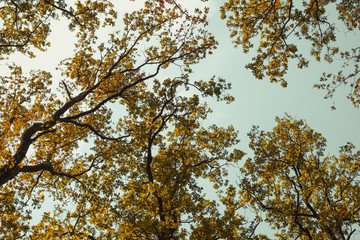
(303, 193)
(279, 27)
(118, 150)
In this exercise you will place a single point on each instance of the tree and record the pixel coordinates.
(120, 150)
(26, 24)
(303, 193)
(145, 147)
(278, 25)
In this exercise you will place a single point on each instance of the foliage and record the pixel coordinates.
(119, 150)
(303, 193)
(279, 25)
(26, 24)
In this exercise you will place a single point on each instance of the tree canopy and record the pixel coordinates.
(278, 27)
(303, 193)
(113, 143)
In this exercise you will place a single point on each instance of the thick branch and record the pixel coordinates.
(93, 130)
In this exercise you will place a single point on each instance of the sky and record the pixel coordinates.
(257, 102)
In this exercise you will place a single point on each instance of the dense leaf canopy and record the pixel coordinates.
(279, 27)
(113, 145)
(304, 194)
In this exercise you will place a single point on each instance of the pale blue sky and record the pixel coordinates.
(258, 102)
